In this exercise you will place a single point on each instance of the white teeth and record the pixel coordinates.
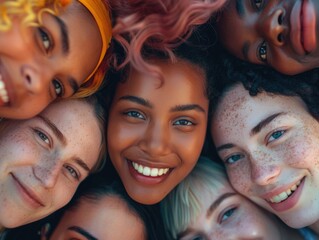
(284, 195)
(147, 171)
(3, 92)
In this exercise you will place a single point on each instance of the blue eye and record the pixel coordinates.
(73, 173)
(134, 114)
(183, 122)
(227, 214)
(275, 135)
(42, 136)
(262, 52)
(234, 158)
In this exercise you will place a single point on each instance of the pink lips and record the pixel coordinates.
(303, 27)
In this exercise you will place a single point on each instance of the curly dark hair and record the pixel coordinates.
(258, 78)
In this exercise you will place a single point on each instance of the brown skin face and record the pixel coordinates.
(274, 33)
(156, 132)
(38, 64)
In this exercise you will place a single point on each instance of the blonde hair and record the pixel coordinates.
(182, 205)
(30, 10)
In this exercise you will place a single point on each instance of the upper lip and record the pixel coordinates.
(276, 191)
(296, 27)
(140, 157)
(30, 193)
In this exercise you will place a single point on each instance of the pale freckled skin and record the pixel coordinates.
(269, 161)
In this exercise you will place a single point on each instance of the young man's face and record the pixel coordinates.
(281, 34)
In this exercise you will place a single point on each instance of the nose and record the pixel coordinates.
(264, 169)
(34, 79)
(272, 28)
(155, 140)
(47, 172)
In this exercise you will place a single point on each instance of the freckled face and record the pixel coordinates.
(107, 218)
(269, 144)
(235, 217)
(44, 159)
(156, 132)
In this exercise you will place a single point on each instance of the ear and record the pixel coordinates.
(44, 231)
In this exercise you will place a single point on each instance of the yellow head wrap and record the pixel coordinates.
(102, 17)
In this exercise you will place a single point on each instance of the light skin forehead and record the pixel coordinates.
(238, 104)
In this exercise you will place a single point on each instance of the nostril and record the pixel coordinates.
(280, 18)
(280, 38)
(28, 78)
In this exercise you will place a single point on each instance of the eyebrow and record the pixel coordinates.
(187, 107)
(54, 129)
(225, 147)
(219, 200)
(62, 139)
(64, 35)
(137, 100)
(82, 232)
(263, 123)
(240, 8)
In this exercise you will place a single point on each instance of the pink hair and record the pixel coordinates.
(156, 24)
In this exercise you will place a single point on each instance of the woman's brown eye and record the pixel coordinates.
(45, 38)
(258, 4)
(262, 52)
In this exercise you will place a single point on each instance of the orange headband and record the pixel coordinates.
(102, 17)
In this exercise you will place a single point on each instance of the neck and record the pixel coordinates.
(1, 229)
(315, 227)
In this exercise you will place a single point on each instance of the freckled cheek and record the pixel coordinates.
(239, 178)
(301, 152)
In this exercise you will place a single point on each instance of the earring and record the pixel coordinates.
(44, 230)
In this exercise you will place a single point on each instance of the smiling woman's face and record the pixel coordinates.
(106, 218)
(281, 34)
(44, 159)
(156, 132)
(270, 147)
(41, 64)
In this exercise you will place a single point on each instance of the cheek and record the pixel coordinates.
(239, 177)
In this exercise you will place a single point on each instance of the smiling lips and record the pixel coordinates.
(147, 171)
(3, 91)
(303, 27)
(284, 195)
